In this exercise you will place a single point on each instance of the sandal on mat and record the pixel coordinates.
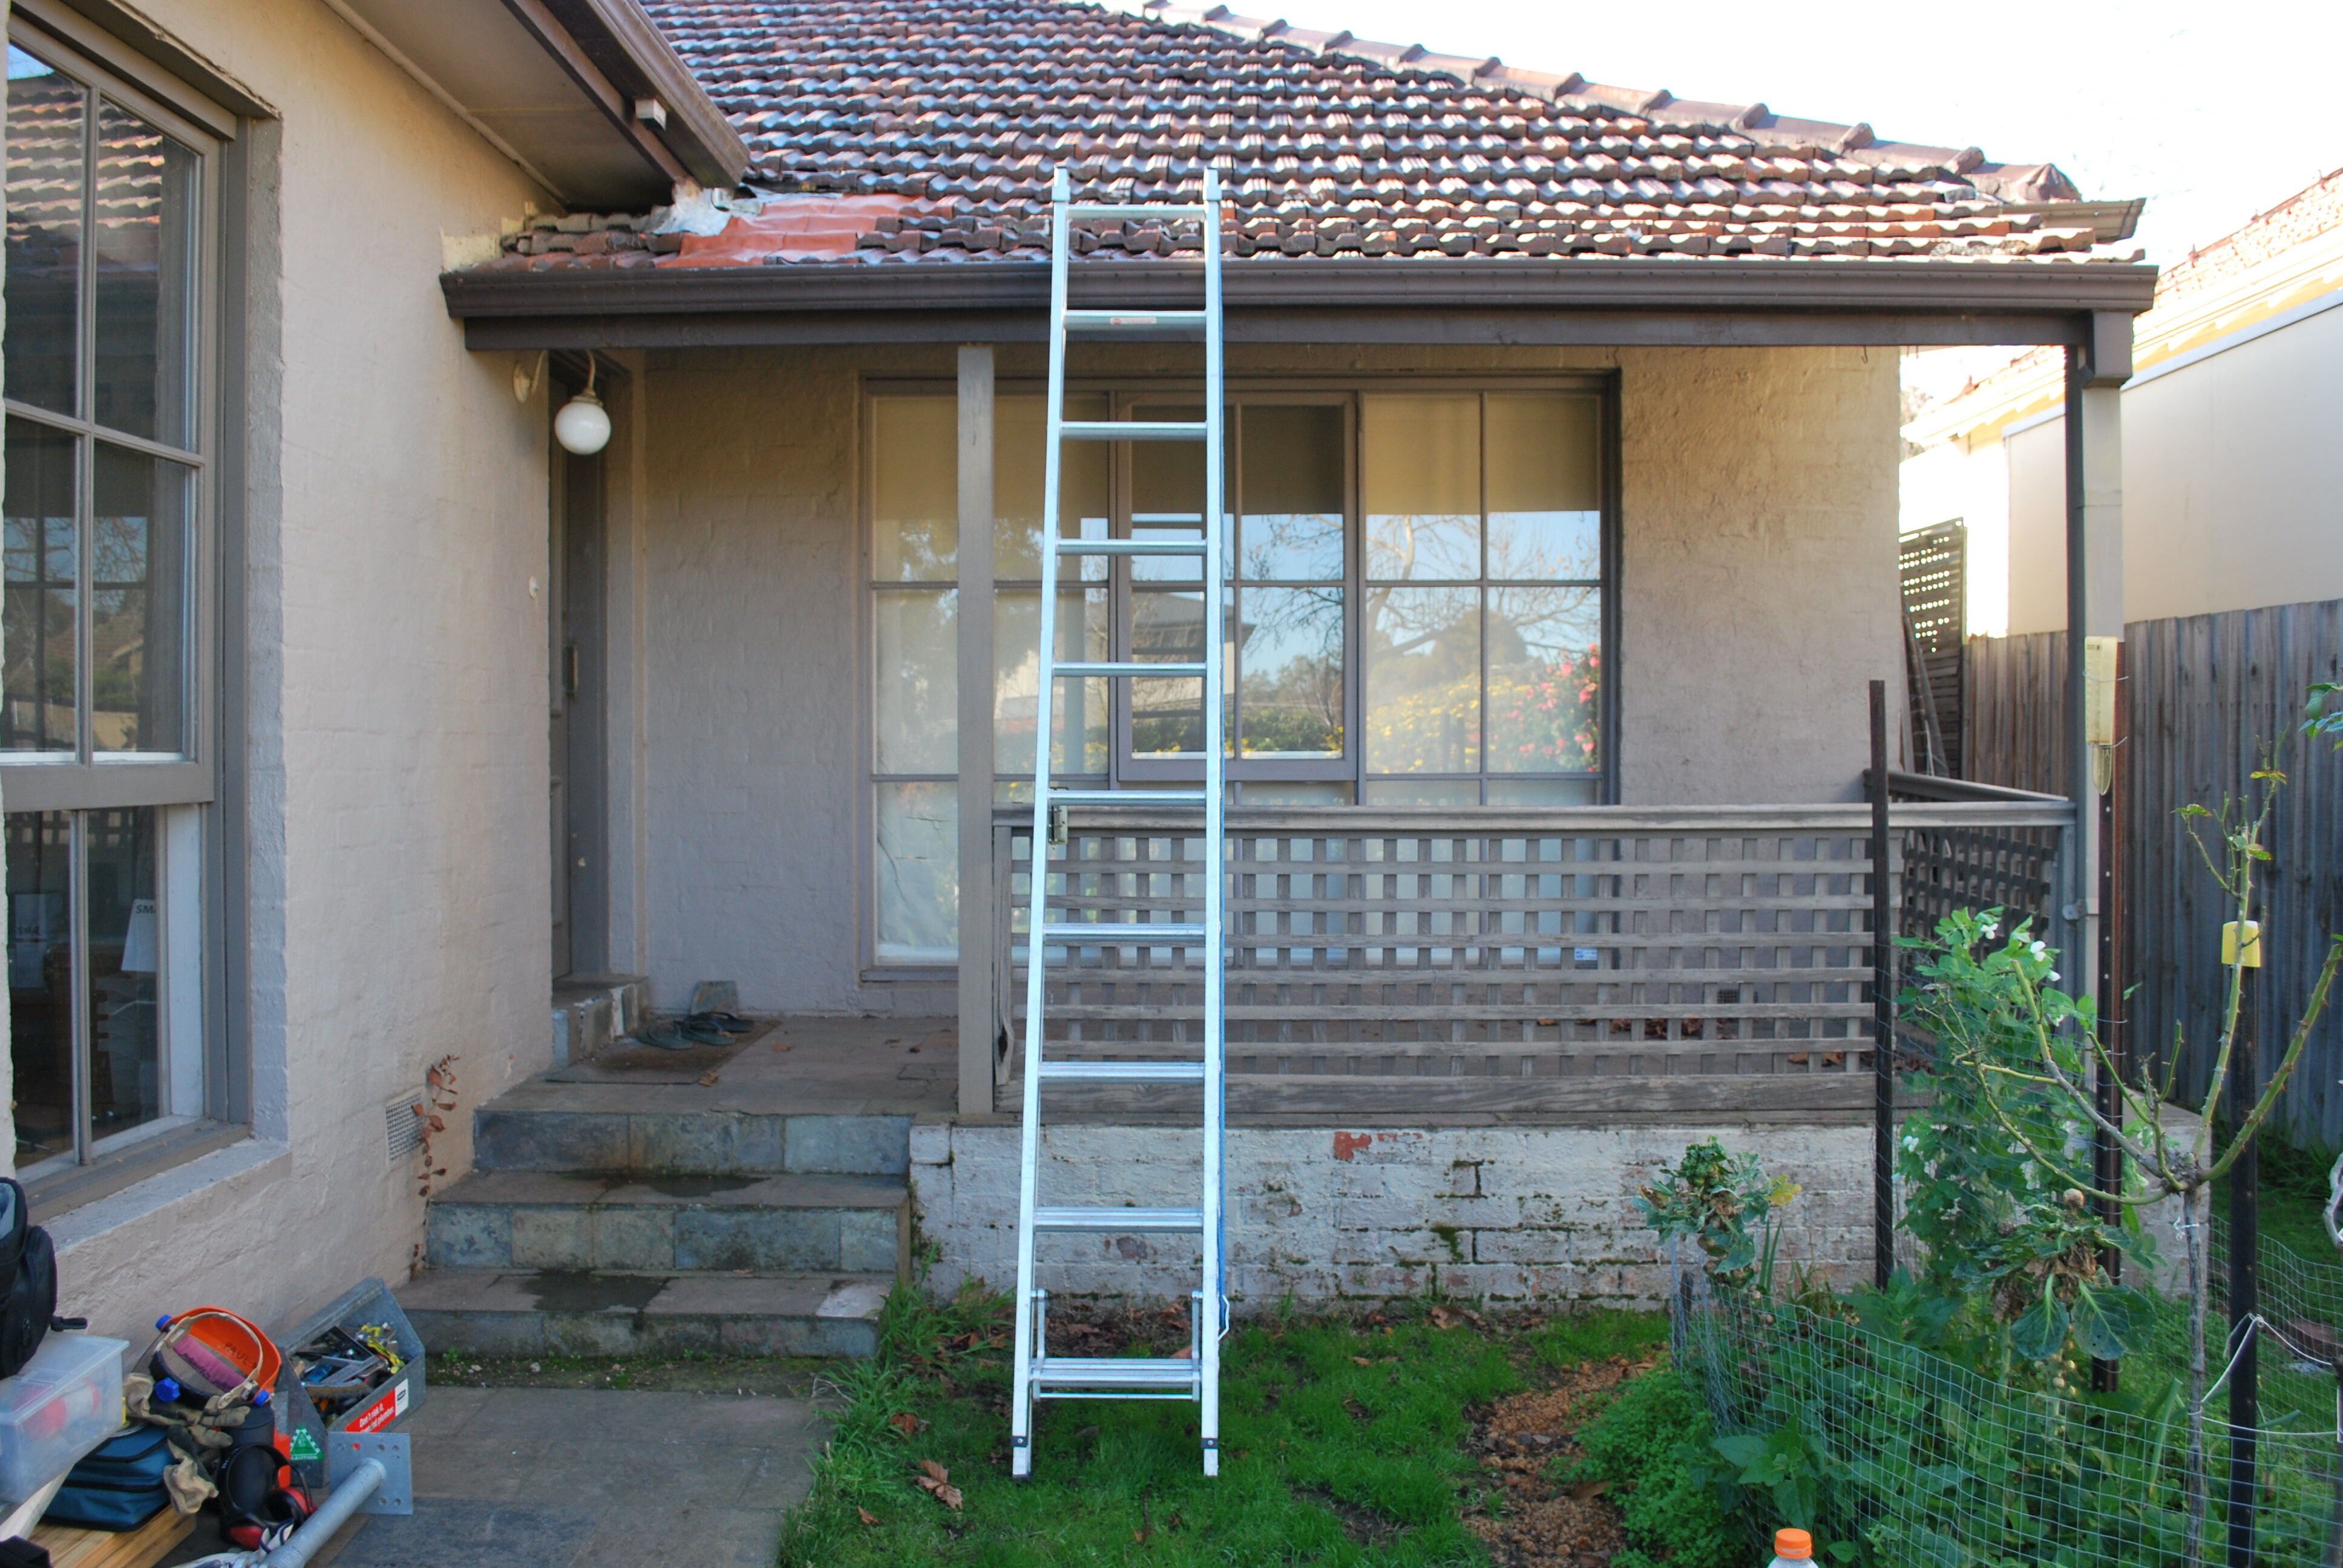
(730, 1022)
(666, 1036)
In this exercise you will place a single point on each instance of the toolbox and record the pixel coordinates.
(353, 1368)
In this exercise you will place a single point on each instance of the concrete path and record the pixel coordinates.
(585, 1478)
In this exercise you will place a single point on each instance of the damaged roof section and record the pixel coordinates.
(945, 120)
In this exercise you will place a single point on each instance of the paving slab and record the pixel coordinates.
(585, 1478)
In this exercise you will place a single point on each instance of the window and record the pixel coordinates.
(101, 692)
(1415, 608)
(1484, 622)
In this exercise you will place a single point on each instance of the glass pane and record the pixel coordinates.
(1419, 461)
(1293, 493)
(1544, 678)
(1019, 436)
(145, 241)
(1078, 717)
(1167, 717)
(142, 627)
(1423, 792)
(917, 868)
(126, 1085)
(1545, 792)
(918, 704)
(45, 132)
(40, 980)
(915, 493)
(1424, 680)
(1166, 476)
(1291, 688)
(1296, 792)
(1545, 489)
(43, 561)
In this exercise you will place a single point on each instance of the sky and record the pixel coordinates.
(2215, 112)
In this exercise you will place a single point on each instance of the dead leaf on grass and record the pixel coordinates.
(1362, 1360)
(907, 1423)
(1445, 1318)
(935, 1471)
(866, 1516)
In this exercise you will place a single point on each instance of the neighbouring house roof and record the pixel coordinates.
(2285, 258)
(927, 131)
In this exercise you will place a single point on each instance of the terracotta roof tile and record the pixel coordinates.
(941, 121)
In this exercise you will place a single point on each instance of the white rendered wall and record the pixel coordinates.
(2232, 485)
(1504, 1213)
(397, 695)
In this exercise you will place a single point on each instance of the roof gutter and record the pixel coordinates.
(1329, 300)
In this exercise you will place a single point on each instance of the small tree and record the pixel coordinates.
(2066, 1038)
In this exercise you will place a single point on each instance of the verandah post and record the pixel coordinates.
(1883, 1003)
(979, 1011)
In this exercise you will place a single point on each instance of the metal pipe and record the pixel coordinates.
(348, 1498)
(1883, 1005)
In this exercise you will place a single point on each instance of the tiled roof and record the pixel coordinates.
(952, 113)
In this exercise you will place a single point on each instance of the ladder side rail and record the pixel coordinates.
(1216, 554)
(1030, 1151)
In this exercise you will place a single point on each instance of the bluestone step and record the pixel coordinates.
(562, 1220)
(690, 1143)
(517, 1312)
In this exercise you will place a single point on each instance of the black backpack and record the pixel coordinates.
(28, 1281)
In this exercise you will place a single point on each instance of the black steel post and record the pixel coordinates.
(2245, 1242)
(2106, 1164)
(1883, 992)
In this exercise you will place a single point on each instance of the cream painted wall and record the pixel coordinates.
(2232, 485)
(396, 695)
(1758, 591)
(1758, 596)
(1966, 481)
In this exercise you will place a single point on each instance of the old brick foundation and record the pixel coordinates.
(1504, 1214)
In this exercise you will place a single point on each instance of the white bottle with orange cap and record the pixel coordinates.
(1792, 1549)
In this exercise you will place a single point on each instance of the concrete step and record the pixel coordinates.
(690, 1142)
(589, 1011)
(515, 1313)
(681, 1224)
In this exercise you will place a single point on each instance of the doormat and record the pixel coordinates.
(630, 1061)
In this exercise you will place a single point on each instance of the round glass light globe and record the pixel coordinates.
(582, 427)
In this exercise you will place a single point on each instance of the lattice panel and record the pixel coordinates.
(1368, 948)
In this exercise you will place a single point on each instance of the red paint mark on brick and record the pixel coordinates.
(1349, 1144)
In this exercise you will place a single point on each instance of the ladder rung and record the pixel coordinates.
(1119, 1222)
(1118, 933)
(1167, 668)
(1116, 320)
(1126, 797)
(1138, 209)
(1131, 431)
(1113, 1371)
(1195, 546)
(1122, 1072)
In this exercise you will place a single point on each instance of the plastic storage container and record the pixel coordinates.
(66, 1401)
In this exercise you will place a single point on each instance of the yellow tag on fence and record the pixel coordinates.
(2253, 944)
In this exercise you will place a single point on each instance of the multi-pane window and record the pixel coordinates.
(1415, 607)
(1483, 620)
(107, 197)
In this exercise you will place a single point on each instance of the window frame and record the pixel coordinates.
(200, 777)
(1349, 770)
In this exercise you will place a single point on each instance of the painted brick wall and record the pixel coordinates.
(1508, 1214)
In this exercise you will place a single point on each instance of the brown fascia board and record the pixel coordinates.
(1841, 288)
(627, 48)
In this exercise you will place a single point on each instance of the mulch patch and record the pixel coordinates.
(1524, 1441)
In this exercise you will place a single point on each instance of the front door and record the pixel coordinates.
(581, 882)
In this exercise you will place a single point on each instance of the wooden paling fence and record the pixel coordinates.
(2204, 697)
(1581, 958)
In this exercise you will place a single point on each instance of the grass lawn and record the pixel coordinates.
(1343, 1442)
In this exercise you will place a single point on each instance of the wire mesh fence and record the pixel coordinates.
(1927, 1462)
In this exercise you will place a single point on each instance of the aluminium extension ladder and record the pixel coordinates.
(1197, 1376)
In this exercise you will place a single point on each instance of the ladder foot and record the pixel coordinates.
(1212, 1461)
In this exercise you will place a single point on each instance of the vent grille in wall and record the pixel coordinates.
(403, 1121)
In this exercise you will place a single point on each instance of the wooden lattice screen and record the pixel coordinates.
(1932, 566)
